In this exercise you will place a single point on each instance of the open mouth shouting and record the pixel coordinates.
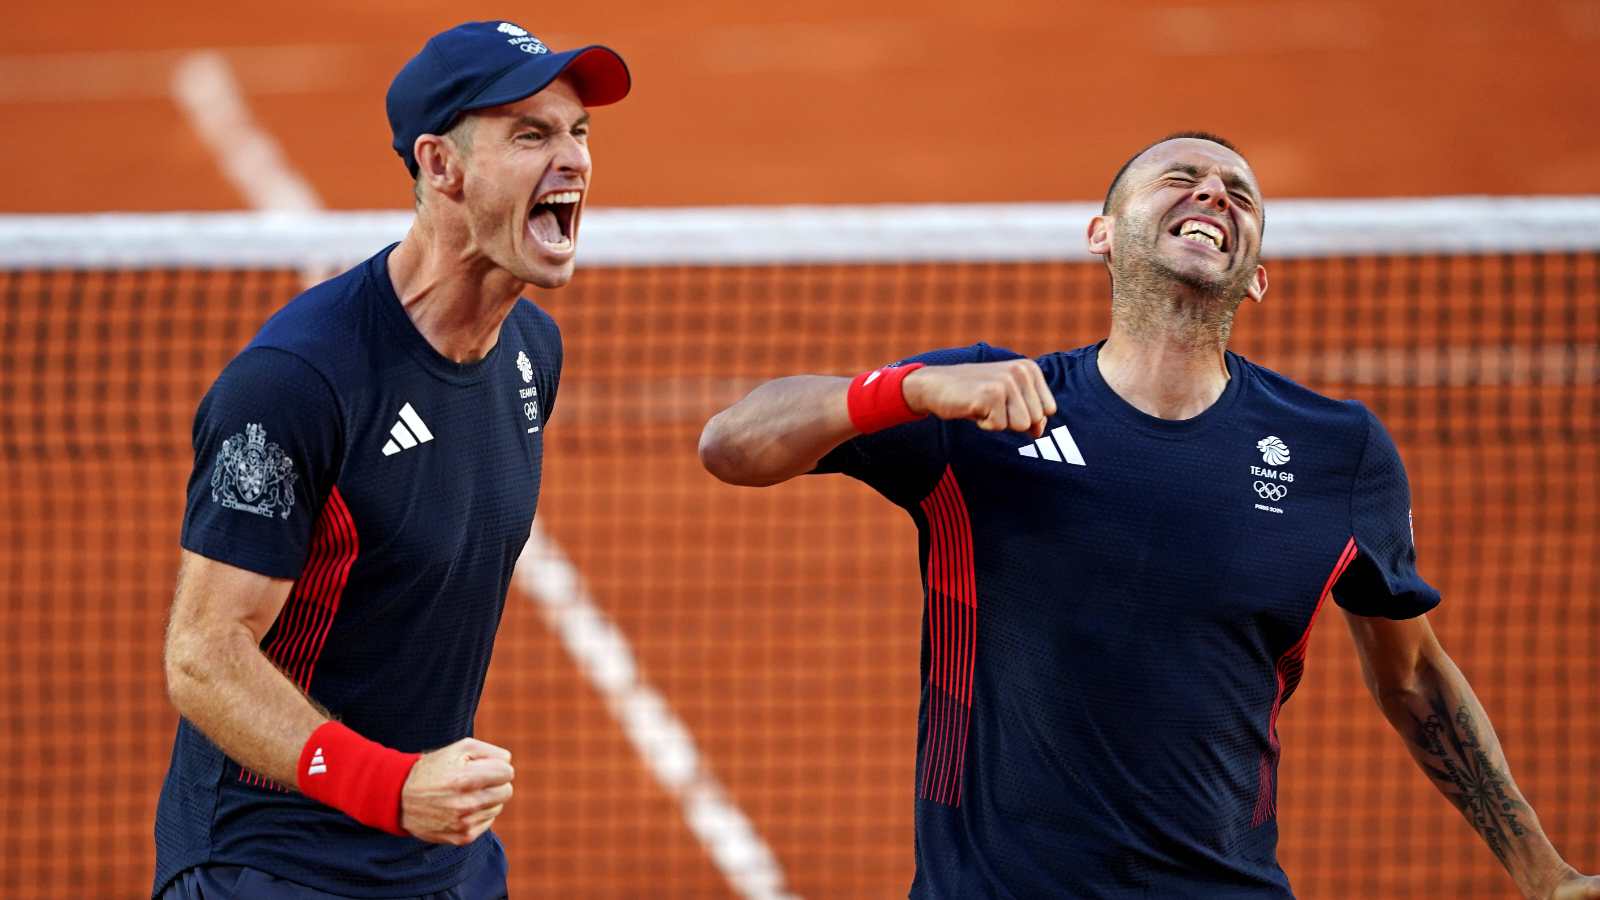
(554, 218)
(1205, 232)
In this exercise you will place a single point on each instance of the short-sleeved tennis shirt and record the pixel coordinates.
(397, 489)
(1116, 613)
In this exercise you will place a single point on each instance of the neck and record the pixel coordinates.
(454, 295)
(1171, 366)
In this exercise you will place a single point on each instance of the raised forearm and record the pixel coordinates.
(778, 431)
(782, 428)
(219, 679)
(1452, 739)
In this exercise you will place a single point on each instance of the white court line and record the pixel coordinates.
(204, 87)
(660, 738)
(207, 90)
(117, 75)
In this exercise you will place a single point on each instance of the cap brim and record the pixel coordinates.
(598, 74)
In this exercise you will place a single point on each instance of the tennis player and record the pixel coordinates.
(1124, 547)
(366, 473)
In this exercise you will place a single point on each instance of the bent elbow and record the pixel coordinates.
(731, 461)
(186, 671)
(719, 454)
(1403, 691)
(179, 675)
(713, 456)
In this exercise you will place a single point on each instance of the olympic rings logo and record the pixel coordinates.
(1266, 490)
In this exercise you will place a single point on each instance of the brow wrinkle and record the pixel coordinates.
(1231, 179)
(527, 121)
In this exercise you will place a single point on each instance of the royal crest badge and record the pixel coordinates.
(253, 475)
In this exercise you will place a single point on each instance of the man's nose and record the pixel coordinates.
(572, 156)
(1212, 192)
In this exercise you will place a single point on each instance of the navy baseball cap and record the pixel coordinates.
(482, 64)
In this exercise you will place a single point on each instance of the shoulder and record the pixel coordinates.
(1066, 361)
(955, 356)
(1345, 426)
(1284, 394)
(534, 324)
(328, 326)
(263, 381)
(1051, 364)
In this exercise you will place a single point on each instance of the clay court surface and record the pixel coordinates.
(781, 627)
(840, 101)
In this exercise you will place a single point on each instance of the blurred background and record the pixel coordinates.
(762, 737)
(837, 101)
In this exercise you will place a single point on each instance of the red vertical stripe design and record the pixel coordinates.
(952, 613)
(1291, 665)
(303, 624)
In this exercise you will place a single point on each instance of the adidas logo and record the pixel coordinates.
(407, 433)
(1057, 446)
(318, 764)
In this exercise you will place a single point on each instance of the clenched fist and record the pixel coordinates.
(999, 396)
(454, 794)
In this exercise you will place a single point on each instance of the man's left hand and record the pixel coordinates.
(1577, 886)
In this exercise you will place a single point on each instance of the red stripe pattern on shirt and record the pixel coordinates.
(952, 613)
(303, 624)
(1291, 665)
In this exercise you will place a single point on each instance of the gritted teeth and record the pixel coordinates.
(1203, 232)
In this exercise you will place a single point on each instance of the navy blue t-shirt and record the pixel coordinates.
(1116, 613)
(397, 488)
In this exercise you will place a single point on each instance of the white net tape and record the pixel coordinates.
(799, 234)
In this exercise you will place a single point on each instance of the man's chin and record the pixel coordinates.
(1199, 278)
(547, 274)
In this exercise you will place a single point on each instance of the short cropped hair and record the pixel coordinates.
(1116, 181)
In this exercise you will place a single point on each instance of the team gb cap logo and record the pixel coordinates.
(520, 39)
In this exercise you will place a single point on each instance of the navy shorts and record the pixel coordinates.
(487, 881)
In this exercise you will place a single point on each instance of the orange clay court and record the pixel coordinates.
(782, 626)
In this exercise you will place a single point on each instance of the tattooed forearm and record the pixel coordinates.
(1469, 777)
(1429, 702)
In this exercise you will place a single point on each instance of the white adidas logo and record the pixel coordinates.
(407, 433)
(1047, 448)
(318, 764)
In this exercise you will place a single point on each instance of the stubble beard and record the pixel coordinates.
(1150, 295)
(516, 252)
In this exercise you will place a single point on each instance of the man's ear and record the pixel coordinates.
(438, 163)
(1257, 288)
(1101, 229)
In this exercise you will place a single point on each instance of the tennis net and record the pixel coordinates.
(712, 691)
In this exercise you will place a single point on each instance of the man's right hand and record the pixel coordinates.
(454, 794)
(1000, 396)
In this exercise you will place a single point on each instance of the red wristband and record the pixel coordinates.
(876, 400)
(358, 777)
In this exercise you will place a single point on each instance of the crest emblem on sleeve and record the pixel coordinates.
(524, 366)
(253, 475)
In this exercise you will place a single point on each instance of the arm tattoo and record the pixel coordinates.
(1464, 772)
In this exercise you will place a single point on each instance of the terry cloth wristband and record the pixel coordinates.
(358, 777)
(876, 401)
